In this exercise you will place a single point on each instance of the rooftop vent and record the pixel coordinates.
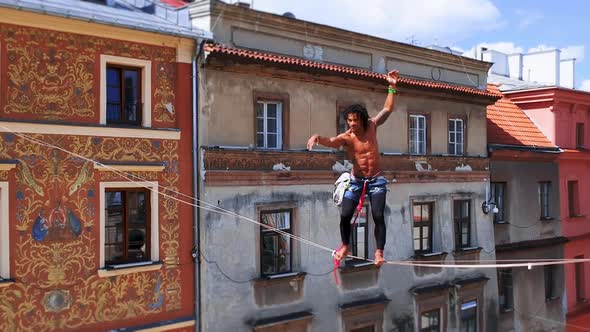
(242, 4)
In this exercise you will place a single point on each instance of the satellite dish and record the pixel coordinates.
(289, 15)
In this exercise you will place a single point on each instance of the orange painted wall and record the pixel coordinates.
(53, 76)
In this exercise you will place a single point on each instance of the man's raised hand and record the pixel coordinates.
(392, 77)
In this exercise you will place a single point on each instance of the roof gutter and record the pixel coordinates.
(494, 147)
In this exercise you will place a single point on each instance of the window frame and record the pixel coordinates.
(122, 91)
(4, 231)
(426, 117)
(146, 86)
(507, 290)
(125, 211)
(550, 275)
(500, 204)
(544, 199)
(263, 231)
(463, 143)
(421, 224)
(458, 223)
(354, 234)
(475, 319)
(573, 198)
(272, 97)
(580, 135)
(154, 245)
(580, 280)
(422, 313)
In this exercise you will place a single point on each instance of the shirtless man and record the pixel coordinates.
(361, 143)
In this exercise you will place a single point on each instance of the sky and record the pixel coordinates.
(505, 25)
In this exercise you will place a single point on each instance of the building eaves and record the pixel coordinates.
(96, 13)
(357, 38)
(213, 48)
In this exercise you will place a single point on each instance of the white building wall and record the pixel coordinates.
(499, 59)
(515, 66)
(541, 67)
(566, 73)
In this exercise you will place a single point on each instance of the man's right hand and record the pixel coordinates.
(313, 140)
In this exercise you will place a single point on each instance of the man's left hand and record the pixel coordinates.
(392, 77)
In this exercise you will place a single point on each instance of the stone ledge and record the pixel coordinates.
(117, 271)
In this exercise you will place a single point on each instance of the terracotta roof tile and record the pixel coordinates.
(256, 55)
(175, 3)
(508, 124)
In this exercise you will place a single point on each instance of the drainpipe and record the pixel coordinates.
(196, 188)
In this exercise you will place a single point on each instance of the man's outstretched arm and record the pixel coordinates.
(389, 101)
(333, 142)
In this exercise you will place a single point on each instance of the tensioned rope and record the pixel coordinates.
(528, 263)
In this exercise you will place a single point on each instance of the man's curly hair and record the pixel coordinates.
(359, 110)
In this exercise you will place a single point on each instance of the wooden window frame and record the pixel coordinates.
(502, 288)
(353, 233)
(580, 280)
(437, 300)
(580, 135)
(503, 207)
(428, 130)
(283, 98)
(549, 275)
(122, 69)
(147, 235)
(463, 118)
(266, 232)
(459, 221)
(573, 198)
(545, 200)
(421, 225)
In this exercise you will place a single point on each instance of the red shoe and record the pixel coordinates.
(379, 257)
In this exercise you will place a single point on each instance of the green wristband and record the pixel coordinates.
(391, 90)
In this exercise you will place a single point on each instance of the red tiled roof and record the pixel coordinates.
(508, 124)
(174, 3)
(217, 48)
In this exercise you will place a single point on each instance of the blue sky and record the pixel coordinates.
(506, 25)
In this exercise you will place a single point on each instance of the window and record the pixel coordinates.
(417, 133)
(498, 192)
(128, 224)
(123, 95)
(579, 135)
(573, 198)
(422, 216)
(359, 236)
(275, 248)
(341, 124)
(430, 321)
(370, 328)
(456, 137)
(462, 216)
(269, 125)
(580, 281)
(544, 189)
(469, 316)
(125, 91)
(505, 294)
(4, 230)
(550, 282)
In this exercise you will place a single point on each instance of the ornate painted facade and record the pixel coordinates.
(49, 78)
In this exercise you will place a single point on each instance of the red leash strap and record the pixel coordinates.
(359, 208)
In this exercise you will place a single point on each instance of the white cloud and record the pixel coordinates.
(402, 20)
(504, 47)
(585, 85)
(576, 51)
(528, 17)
